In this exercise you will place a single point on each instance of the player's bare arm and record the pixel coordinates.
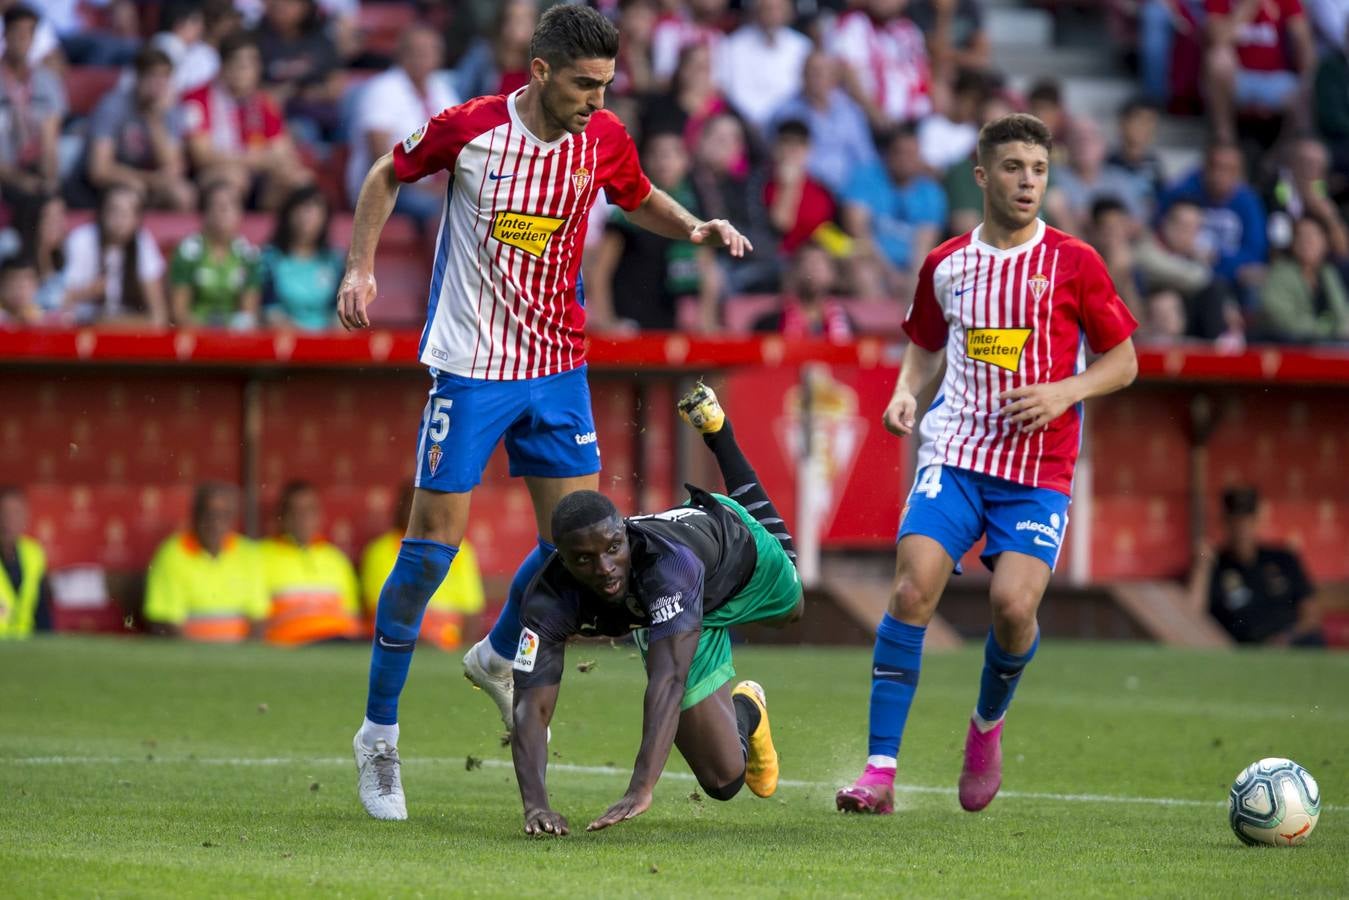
(917, 372)
(1034, 406)
(529, 748)
(667, 666)
(662, 214)
(373, 206)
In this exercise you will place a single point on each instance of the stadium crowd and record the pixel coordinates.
(204, 178)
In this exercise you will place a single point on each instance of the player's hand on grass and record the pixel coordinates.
(899, 415)
(630, 806)
(1034, 406)
(545, 821)
(721, 233)
(356, 292)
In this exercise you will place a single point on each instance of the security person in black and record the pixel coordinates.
(1259, 593)
(676, 580)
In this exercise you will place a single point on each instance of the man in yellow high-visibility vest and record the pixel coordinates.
(310, 582)
(459, 596)
(24, 595)
(205, 584)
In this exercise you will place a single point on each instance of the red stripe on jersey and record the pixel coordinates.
(525, 351)
(487, 232)
(501, 287)
(561, 189)
(1049, 356)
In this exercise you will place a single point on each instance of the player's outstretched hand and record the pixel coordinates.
(899, 415)
(356, 292)
(720, 233)
(545, 821)
(629, 807)
(1034, 406)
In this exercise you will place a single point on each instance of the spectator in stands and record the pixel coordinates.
(1259, 593)
(1163, 320)
(454, 606)
(311, 585)
(25, 596)
(696, 23)
(1086, 179)
(114, 272)
(1304, 297)
(109, 36)
(45, 46)
(499, 62)
(808, 310)
(1160, 24)
(1136, 154)
(338, 18)
(206, 583)
(1045, 102)
(1332, 102)
(300, 267)
(32, 102)
(18, 293)
(896, 212)
(949, 135)
(45, 247)
(828, 110)
(691, 103)
(182, 29)
(1300, 188)
(1176, 265)
(300, 66)
(1112, 231)
(391, 106)
(964, 199)
(135, 138)
(725, 190)
(955, 34)
(634, 70)
(887, 66)
(215, 277)
(1234, 218)
(635, 278)
(1246, 65)
(761, 63)
(797, 204)
(236, 132)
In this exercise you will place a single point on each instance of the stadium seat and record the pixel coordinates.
(86, 86)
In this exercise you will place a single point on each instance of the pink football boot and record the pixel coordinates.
(981, 775)
(873, 793)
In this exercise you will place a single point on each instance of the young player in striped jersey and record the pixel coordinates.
(1007, 308)
(504, 333)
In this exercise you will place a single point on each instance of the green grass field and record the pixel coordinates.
(133, 768)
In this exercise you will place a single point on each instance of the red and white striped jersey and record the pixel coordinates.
(1008, 318)
(505, 301)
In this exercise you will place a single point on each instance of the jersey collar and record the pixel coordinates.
(1010, 251)
(524, 129)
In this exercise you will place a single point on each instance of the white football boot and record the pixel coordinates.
(378, 780)
(492, 674)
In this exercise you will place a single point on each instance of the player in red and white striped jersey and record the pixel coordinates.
(1007, 309)
(504, 334)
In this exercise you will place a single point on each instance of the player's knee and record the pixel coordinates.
(908, 601)
(1015, 604)
(726, 791)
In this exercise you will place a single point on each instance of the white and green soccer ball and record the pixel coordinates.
(1274, 801)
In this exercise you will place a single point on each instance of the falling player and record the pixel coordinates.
(504, 333)
(680, 578)
(1007, 307)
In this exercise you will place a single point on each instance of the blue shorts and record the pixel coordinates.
(547, 423)
(955, 506)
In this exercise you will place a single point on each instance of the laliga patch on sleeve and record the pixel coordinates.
(527, 652)
(414, 139)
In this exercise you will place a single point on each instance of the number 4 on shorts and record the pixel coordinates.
(929, 482)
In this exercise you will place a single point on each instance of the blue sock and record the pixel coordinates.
(894, 679)
(1002, 671)
(419, 570)
(505, 634)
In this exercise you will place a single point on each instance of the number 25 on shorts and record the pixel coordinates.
(439, 421)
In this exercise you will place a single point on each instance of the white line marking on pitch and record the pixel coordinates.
(607, 771)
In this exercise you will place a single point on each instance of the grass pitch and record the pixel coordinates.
(135, 768)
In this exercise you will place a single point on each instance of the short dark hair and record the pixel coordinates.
(793, 128)
(1242, 500)
(8, 264)
(581, 509)
(205, 492)
(1103, 206)
(236, 43)
(292, 490)
(568, 33)
(1138, 104)
(176, 12)
(151, 58)
(1046, 90)
(19, 13)
(886, 137)
(216, 186)
(1022, 128)
(1182, 203)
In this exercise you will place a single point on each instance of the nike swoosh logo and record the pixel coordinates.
(394, 645)
(497, 176)
(964, 292)
(1044, 543)
(879, 672)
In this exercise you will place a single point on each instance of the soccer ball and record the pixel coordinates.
(1274, 801)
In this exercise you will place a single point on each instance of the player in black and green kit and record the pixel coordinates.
(677, 580)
